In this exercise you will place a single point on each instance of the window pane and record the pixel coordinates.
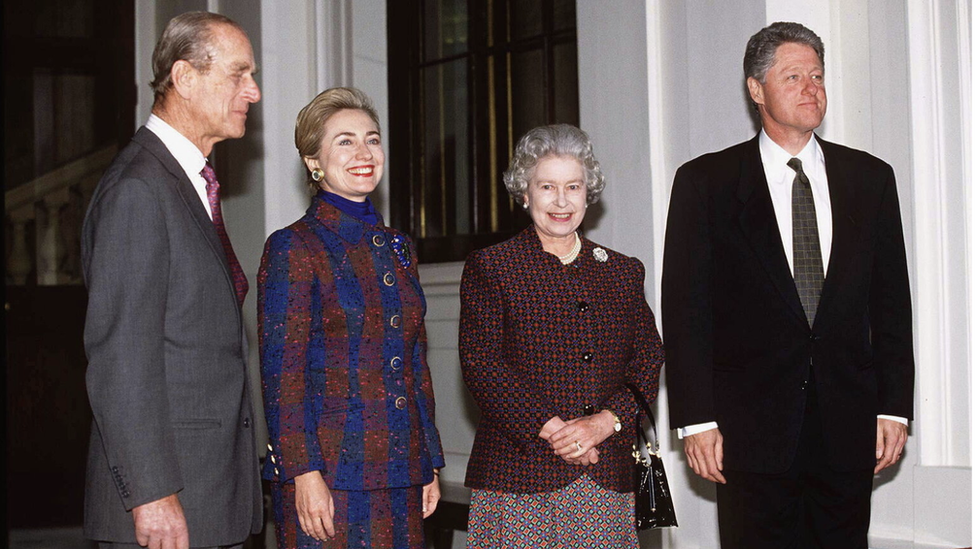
(65, 18)
(564, 15)
(446, 26)
(567, 83)
(467, 79)
(526, 18)
(445, 200)
(528, 92)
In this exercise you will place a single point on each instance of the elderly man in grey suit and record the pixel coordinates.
(172, 460)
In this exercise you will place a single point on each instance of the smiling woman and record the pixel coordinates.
(354, 452)
(552, 325)
(351, 157)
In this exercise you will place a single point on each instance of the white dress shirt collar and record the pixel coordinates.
(774, 157)
(185, 152)
(779, 178)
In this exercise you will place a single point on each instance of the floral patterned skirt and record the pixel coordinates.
(581, 515)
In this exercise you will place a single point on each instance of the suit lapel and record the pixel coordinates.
(843, 221)
(188, 194)
(758, 222)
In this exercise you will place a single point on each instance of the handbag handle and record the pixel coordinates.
(642, 402)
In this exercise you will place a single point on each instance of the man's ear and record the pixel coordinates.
(184, 78)
(755, 91)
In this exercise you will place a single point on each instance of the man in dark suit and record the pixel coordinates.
(787, 315)
(172, 460)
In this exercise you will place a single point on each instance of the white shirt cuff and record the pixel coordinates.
(695, 429)
(902, 420)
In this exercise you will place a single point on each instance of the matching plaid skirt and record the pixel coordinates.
(375, 519)
(581, 515)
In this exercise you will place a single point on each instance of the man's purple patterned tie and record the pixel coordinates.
(213, 197)
(808, 269)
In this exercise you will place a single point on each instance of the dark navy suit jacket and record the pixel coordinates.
(739, 348)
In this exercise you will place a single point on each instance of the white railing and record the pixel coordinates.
(44, 217)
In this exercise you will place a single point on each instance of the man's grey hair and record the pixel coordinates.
(187, 37)
(554, 140)
(761, 49)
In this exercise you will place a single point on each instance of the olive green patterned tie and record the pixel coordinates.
(808, 272)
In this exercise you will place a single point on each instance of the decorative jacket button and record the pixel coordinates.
(583, 306)
(378, 240)
(247, 422)
(389, 279)
(396, 362)
(395, 321)
(587, 357)
(401, 403)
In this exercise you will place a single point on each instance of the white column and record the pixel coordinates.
(939, 59)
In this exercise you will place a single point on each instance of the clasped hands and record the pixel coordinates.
(576, 440)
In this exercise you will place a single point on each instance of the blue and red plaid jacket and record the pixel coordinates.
(540, 339)
(347, 390)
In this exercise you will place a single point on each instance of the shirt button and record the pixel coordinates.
(378, 240)
(587, 357)
(389, 279)
(395, 321)
(401, 403)
(395, 363)
(247, 422)
(583, 306)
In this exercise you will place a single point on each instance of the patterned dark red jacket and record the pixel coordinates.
(540, 339)
(347, 390)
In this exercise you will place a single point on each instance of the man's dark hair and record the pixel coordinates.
(761, 49)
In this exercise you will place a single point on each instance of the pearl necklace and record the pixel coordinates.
(568, 258)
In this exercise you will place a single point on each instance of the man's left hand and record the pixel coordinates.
(892, 436)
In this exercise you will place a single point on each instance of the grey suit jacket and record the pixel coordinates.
(166, 350)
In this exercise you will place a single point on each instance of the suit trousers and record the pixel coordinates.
(808, 506)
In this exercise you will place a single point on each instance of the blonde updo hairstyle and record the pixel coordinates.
(310, 125)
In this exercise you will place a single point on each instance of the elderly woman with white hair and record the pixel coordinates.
(552, 327)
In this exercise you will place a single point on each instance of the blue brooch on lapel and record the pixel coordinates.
(401, 249)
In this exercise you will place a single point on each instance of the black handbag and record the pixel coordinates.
(653, 507)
